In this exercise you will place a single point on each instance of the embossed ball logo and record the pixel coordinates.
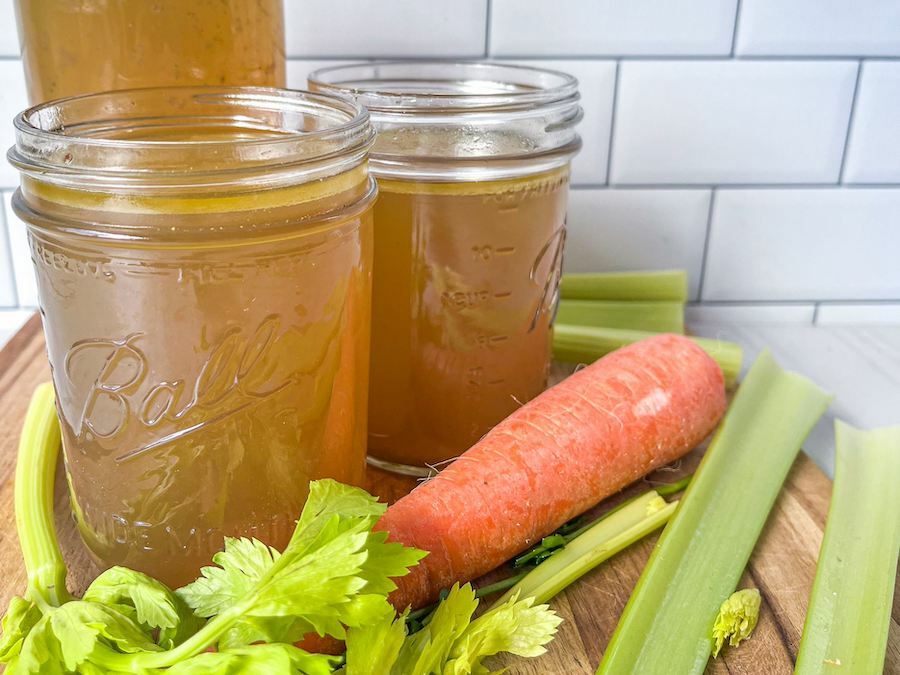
(114, 377)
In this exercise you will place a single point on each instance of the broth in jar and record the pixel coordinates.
(472, 161)
(206, 311)
(464, 293)
(72, 47)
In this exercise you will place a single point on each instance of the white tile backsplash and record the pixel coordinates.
(819, 27)
(8, 296)
(9, 39)
(298, 70)
(596, 81)
(386, 28)
(628, 229)
(719, 313)
(873, 153)
(674, 117)
(611, 27)
(12, 102)
(841, 244)
(731, 121)
(882, 313)
(21, 255)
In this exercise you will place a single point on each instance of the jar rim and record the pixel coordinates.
(442, 86)
(97, 138)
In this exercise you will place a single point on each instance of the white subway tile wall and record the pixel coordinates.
(386, 28)
(861, 312)
(619, 230)
(20, 251)
(731, 121)
(873, 151)
(719, 313)
(754, 143)
(819, 28)
(611, 27)
(804, 244)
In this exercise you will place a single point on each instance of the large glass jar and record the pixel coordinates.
(72, 47)
(203, 258)
(472, 162)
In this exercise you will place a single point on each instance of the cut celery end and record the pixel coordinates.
(850, 607)
(662, 317)
(666, 626)
(648, 285)
(586, 344)
(637, 519)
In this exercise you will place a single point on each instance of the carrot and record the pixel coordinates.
(604, 427)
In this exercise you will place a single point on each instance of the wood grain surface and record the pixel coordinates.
(782, 566)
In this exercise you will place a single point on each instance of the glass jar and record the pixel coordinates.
(472, 162)
(72, 47)
(203, 259)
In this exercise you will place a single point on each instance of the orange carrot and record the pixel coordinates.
(604, 427)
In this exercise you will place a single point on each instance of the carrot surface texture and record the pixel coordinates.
(602, 428)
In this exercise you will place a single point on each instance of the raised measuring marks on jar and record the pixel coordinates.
(47, 256)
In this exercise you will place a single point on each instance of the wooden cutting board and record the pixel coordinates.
(782, 566)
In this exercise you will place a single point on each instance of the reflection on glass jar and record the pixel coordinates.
(72, 47)
(472, 162)
(206, 304)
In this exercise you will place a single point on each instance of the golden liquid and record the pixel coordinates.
(74, 47)
(465, 284)
(206, 375)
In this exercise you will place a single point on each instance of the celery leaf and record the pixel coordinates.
(335, 572)
(451, 642)
(21, 616)
(269, 658)
(374, 649)
(236, 572)
(137, 596)
(518, 627)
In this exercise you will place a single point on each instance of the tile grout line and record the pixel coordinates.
(724, 57)
(706, 238)
(734, 33)
(733, 186)
(612, 122)
(815, 316)
(850, 117)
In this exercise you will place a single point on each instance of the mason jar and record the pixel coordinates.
(203, 260)
(74, 47)
(472, 162)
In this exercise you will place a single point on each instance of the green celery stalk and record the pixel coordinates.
(666, 626)
(664, 317)
(648, 285)
(850, 608)
(585, 344)
(35, 475)
(633, 522)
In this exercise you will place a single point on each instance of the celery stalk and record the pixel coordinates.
(664, 317)
(633, 522)
(667, 624)
(850, 608)
(654, 285)
(35, 474)
(584, 344)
